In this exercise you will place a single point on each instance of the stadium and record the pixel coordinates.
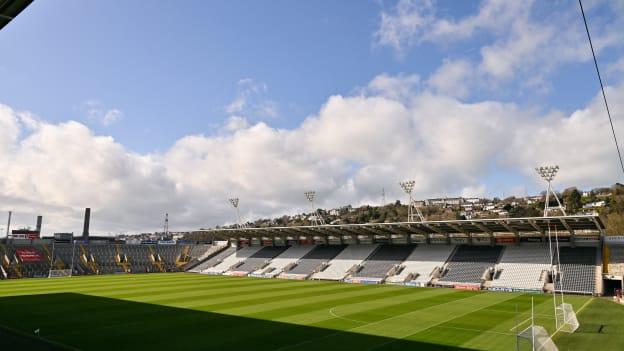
(543, 283)
(495, 284)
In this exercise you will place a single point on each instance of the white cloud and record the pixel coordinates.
(581, 143)
(453, 78)
(348, 151)
(235, 123)
(111, 116)
(474, 191)
(616, 67)
(397, 87)
(406, 24)
(517, 38)
(96, 112)
(251, 101)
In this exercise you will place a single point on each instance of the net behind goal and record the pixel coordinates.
(567, 318)
(58, 273)
(538, 339)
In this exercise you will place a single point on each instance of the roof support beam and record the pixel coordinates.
(433, 228)
(567, 226)
(535, 226)
(458, 229)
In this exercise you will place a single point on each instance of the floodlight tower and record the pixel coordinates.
(166, 228)
(412, 210)
(564, 310)
(234, 202)
(316, 218)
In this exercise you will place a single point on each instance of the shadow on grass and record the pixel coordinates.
(96, 323)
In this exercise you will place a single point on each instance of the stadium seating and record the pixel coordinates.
(28, 269)
(378, 265)
(69, 255)
(258, 260)
(231, 260)
(104, 256)
(422, 264)
(197, 253)
(577, 270)
(468, 265)
(522, 267)
(210, 257)
(281, 262)
(139, 258)
(346, 260)
(169, 255)
(312, 261)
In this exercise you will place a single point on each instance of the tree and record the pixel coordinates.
(572, 199)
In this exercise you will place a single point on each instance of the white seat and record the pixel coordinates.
(349, 257)
(422, 262)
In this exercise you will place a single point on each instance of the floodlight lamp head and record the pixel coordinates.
(310, 195)
(234, 202)
(548, 173)
(408, 186)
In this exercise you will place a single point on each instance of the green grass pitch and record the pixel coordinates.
(199, 312)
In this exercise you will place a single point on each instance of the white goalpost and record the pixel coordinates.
(59, 273)
(536, 335)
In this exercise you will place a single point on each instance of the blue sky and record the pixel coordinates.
(152, 75)
(171, 68)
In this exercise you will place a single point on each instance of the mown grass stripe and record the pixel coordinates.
(143, 311)
(95, 286)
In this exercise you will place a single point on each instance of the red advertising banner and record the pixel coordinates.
(29, 254)
(467, 287)
(505, 240)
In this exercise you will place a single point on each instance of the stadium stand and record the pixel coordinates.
(139, 258)
(523, 267)
(312, 262)
(196, 254)
(423, 264)
(231, 260)
(212, 255)
(258, 260)
(469, 264)
(346, 262)
(28, 260)
(283, 261)
(200, 250)
(513, 267)
(169, 255)
(577, 273)
(380, 263)
(69, 256)
(104, 258)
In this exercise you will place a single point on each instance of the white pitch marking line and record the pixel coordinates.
(475, 330)
(331, 311)
(519, 324)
